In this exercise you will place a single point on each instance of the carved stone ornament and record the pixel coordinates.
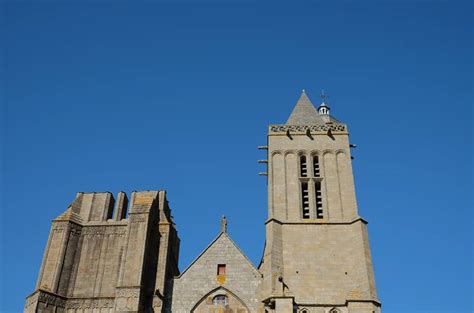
(304, 129)
(90, 303)
(128, 292)
(93, 231)
(52, 299)
(127, 299)
(60, 226)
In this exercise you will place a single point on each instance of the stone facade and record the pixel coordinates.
(105, 255)
(200, 283)
(317, 252)
(98, 261)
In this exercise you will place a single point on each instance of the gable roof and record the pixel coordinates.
(221, 236)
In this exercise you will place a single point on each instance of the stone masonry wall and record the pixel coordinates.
(200, 280)
(96, 258)
(327, 265)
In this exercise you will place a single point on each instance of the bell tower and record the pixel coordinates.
(317, 255)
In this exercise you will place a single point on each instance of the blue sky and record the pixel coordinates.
(122, 95)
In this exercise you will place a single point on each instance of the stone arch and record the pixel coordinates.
(340, 151)
(205, 303)
(327, 151)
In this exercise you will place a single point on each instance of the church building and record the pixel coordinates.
(110, 254)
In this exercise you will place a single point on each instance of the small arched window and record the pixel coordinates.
(334, 310)
(220, 300)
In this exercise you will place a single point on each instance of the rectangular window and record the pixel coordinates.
(316, 170)
(305, 200)
(220, 269)
(319, 200)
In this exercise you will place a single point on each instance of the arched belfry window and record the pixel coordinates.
(220, 300)
(334, 310)
(304, 187)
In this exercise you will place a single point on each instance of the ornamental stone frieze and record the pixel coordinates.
(303, 129)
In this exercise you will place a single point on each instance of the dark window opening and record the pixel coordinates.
(319, 200)
(221, 269)
(316, 170)
(305, 199)
(303, 166)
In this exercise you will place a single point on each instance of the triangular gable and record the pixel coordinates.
(221, 236)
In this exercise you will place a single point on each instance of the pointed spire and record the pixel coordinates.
(304, 112)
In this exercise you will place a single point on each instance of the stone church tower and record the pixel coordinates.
(317, 256)
(107, 255)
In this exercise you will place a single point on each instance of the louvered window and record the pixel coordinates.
(319, 200)
(316, 169)
(305, 199)
(303, 166)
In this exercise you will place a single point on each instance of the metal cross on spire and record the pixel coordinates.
(324, 96)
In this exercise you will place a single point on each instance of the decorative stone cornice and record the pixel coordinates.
(301, 129)
(46, 297)
(373, 301)
(316, 221)
(103, 230)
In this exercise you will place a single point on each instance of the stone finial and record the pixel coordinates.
(223, 224)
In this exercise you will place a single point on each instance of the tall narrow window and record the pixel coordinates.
(305, 199)
(316, 171)
(303, 166)
(319, 200)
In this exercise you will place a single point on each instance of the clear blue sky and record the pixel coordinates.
(134, 95)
